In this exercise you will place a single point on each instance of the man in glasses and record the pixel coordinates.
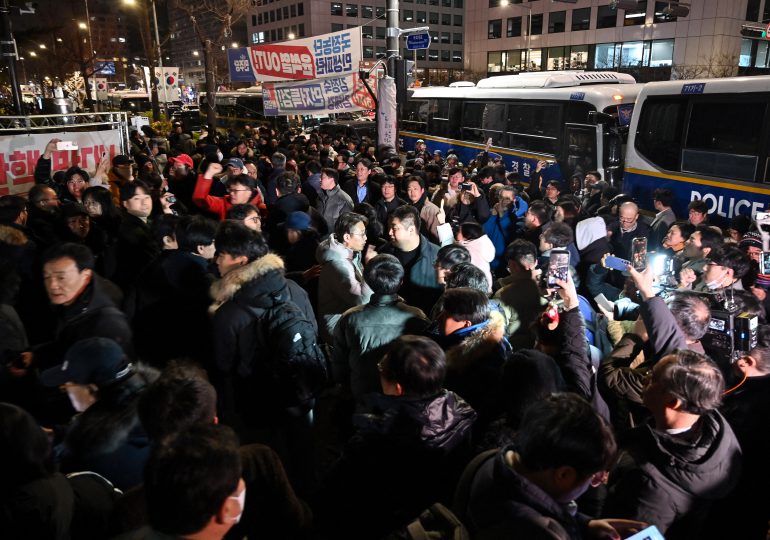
(241, 189)
(628, 228)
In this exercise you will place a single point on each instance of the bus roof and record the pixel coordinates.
(760, 83)
(598, 94)
(555, 79)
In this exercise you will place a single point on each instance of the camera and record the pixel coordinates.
(465, 186)
(730, 335)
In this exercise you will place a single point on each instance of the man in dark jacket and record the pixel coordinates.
(363, 188)
(278, 162)
(290, 199)
(673, 469)
(663, 199)
(44, 216)
(417, 255)
(136, 247)
(364, 333)
(662, 330)
(628, 228)
(389, 201)
(528, 489)
(408, 451)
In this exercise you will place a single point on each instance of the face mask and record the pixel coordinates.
(716, 283)
(241, 501)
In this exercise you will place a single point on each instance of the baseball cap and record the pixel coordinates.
(100, 361)
(437, 152)
(419, 141)
(182, 158)
(299, 221)
(233, 162)
(121, 159)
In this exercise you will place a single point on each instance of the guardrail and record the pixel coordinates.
(57, 122)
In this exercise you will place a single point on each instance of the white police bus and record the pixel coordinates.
(703, 139)
(529, 117)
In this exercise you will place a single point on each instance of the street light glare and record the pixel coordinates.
(290, 36)
(82, 25)
(32, 53)
(503, 3)
(42, 46)
(235, 45)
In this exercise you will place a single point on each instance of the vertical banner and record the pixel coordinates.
(386, 113)
(146, 72)
(168, 83)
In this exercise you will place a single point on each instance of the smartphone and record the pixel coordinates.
(602, 301)
(465, 186)
(639, 253)
(762, 216)
(650, 533)
(488, 145)
(66, 145)
(171, 200)
(558, 268)
(764, 262)
(615, 263)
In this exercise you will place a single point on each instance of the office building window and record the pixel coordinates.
(636, 16)
(513, 27)
(336, 9)
(446, 56)
(495, 29)
(351, 10)
(337, 27)
(293, 10)
(302, 30)
(446, 19)
(537, 24)
(434, 36)
(421, 54)
(433, 2)
(433, 17)
(457, 56)
(367, 12)
(745, 58)
(457, 3)
(606, 17)
(379, 52)
(661, 17)
(458, 20)
(368, 51)
(272, 16)
(445, 37)
(300, 9)
(408, 15)
(494, 62)
(662, 53)
(457, 38)
(432, 55)
(253, 20)
(367, 32)
(578, 57)
(285, 12)
(379, 12)
(581, 19)
(258, 37)
(379, 32)
(421, 17)
(278, 16)
(557, 20)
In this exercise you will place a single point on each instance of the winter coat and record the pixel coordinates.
(501, 229)
(92, 314)
(672, 480)
(428, 218)
(236, 336)
(477, 211)
(270, 185)
(659, 228)
(136, 249)
(407, 454)
(55, 507)
(332, 203)
(420, 287)
(341, 284)
(219, 205)
(45, 228)
(622, 242)
(107, 438)
(373, 191)
(503, 504)
(475, 357)
(384, 209)
(280, 210)
(482, 252)
(363, 335)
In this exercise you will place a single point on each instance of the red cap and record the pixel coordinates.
(182, 158)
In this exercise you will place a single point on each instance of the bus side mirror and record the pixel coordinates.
(596, 117)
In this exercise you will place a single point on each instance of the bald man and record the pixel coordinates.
(629, 227)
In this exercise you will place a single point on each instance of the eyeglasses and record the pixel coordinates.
(362, 234)
(78, 181)
(253, 219)
(49, 200)
(627, 220)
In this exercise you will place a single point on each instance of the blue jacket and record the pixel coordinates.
(501, 230)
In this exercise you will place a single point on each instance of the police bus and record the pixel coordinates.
(235, 109)
(131, 101)
(576, 121)
(703, 139)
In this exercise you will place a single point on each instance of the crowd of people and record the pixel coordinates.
(285, 335)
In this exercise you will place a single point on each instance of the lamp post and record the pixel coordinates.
(504, 3)
(153, 50)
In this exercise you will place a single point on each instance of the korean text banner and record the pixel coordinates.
(321, 96)
(19, 154)
(240, 65)
(327, 55)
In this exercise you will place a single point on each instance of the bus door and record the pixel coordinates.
(582, 145)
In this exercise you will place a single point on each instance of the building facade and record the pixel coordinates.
(508, 36)
(272, 21)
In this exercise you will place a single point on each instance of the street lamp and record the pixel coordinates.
(82, 26)
(157, 44)
(290, 36)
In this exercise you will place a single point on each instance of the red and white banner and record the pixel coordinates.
(19, 154)
(328, 55)
(321, 96)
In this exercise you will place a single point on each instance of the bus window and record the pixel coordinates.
(580, 149)
(723, 139)
(440, 118)
(493, 122)
(533, 127)
(659, 133)
(576, 112)
(471, 122)
(416, 115)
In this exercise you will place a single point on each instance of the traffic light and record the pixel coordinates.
(754, 32)
(404, 78)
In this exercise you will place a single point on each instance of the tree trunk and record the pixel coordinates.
(211, 90)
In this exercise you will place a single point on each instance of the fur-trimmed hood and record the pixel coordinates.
(477, 343)
(225, 288)
(13, 236)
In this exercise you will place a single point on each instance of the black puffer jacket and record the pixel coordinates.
(672, 480)
(235, 335)
(407, 454)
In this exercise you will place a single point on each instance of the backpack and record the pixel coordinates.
(291, 363)
(435, 523)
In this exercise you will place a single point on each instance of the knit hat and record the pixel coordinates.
(751, 239)
(298, 221)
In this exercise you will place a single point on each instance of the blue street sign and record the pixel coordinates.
(417, 41)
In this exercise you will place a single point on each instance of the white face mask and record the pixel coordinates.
(242, 502)
(716, 283)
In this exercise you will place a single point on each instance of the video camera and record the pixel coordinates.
(730, 335)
